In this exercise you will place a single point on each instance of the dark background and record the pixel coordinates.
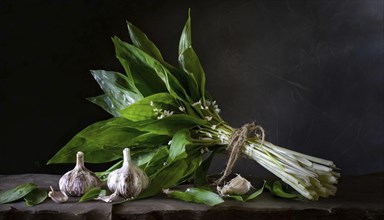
(309, 72)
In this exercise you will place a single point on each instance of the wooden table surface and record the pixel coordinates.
(358, 197)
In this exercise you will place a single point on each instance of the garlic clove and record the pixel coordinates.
(236, 186)
(110, 198)
(129, 181)
(57, 196)
(79, 180)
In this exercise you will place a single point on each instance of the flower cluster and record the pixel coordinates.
(213, 104)
(207, 104)
(160, 113)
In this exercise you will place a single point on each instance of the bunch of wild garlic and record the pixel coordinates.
(173, 128)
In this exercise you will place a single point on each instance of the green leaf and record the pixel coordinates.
(106, 103)
(193, 161)
(92, 193)
(235, 197)
(184, 148)
(277, 190)
(166, 177)
(101, 142)
(151, 71)
(257, 193)
(201, 179)
(138, 68)
(143, 159)
(35, 197)
(168, 125)
(186, 37)
(117, 87)
(151, 140)
(16, 193)
(179, 141)
(190, 63)
(144, 108)
(104, 141)
(165, 173)
(196, 77)
(140, 40)
(196, 195)
(157, 161)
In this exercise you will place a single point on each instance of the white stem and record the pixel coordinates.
(291, 163)
(80, 160)
(314, 159)
(310, 176)
(126, 157)
(303, 161)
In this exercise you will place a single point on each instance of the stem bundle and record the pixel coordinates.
(312, 177)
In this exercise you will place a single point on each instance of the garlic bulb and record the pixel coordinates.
(79, 180)
(237, 186)
(129, 181)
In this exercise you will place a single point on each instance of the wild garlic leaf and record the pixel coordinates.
(196, 195)
(193, 164)
(183, 145)
(235, 197)
(92, 193)
(179, 141)
(190, 63)
(16, 193)
(200, 179)
(150, 107)
(166, 177)
(35, 197)
(277, 190)
(164, 174)
(148, 139)
(140, 40)
(117, 87)
(138, 68)
(168, 125)
(257, 193)
(106, 103)
(157, 161)
(150, 70)
(101, 141)
(186, 37)
(142, 160)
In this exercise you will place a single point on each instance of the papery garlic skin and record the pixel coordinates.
(79, 180)
(57, 196)
(236, 186)
(129, 181)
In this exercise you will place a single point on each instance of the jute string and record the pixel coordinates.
(236, 143)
